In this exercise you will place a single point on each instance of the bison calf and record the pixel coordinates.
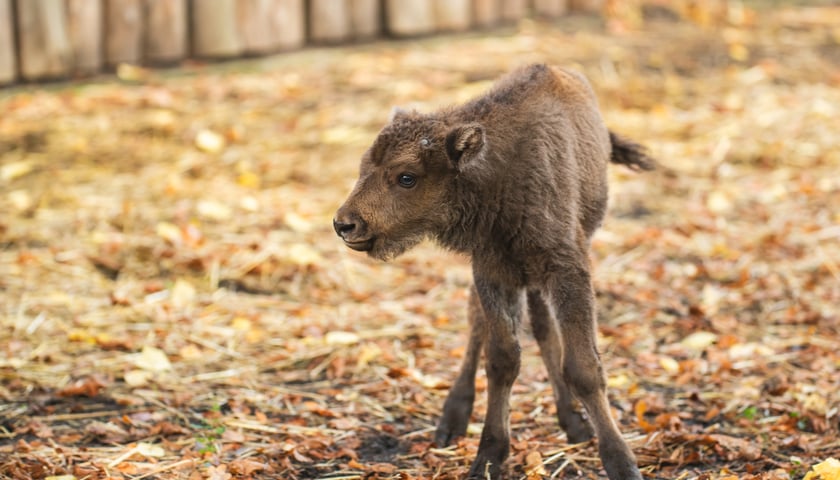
(517, 180)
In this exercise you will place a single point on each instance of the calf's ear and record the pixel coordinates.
(464, 142)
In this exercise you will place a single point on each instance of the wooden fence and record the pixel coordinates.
(55, 39)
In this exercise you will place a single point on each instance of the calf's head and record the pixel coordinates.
(407, 184)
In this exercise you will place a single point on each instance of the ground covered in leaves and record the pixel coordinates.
(174, 304)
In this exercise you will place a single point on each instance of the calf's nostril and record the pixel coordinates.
(342, 228)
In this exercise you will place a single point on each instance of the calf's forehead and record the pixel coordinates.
(387, 153)
(404, 133)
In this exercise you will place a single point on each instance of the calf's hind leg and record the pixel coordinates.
(572, 294)
(547, 333)
(459, 402)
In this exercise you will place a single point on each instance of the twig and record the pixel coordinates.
(277, 430)
(113, 463)
(213, 346)
(415, 433)
(231, 372)
(300, 393)
(559, 469)
(80, 416)
(165, 468)
(164, 406)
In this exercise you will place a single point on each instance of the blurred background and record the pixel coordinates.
(174, 303)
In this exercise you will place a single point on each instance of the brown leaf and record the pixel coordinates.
(167, 428)
(218, 473)
(86, 387)
(734, 448)
(300, 457)
(534, 468)
(37, 428)
(246, 466)
(382, 468)
(639, 409)
(107, 432)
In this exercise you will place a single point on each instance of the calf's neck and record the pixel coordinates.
(516, 179)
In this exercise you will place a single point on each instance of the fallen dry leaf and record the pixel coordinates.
(247, 467)
(828, 469)
(209, 141)
(152, 359)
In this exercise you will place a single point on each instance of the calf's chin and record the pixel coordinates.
(386, 249)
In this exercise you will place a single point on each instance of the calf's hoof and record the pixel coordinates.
(577, 426)
(492, 453)
(448, 430)
(454, 421)
(628, 472)
(620, 463)
(483, 469)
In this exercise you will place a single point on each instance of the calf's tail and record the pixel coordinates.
(630, 154)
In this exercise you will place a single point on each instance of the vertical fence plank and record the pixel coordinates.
(550, 8)
(165, 31)
(8, 60)
(44, 44)
(215, 34)
(329, 21)
(84, 25)
(590, 6)
(123, 32)
(486, 13)
(254, 25)
(288, 22)
(513, 10)
(409, 17)
(365, 18)
(453, 15)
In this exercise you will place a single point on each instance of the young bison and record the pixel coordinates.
(517, 180)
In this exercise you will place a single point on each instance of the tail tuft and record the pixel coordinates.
(630, 154)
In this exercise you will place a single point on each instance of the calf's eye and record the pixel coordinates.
(425, 142)
(406, 180)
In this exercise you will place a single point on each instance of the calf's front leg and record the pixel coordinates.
(459, 402)
(502, 309)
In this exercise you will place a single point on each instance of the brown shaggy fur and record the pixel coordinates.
(517, 180)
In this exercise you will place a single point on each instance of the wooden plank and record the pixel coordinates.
(589, 6)
(165, 32)
(453, 15)
(486, 13)
(329, 21)
(8, 59)
(44, 44)
(406, 18)
(550, 8)
(513, 10)
(123, 32)
(84, 25)
(288, 22)
(214, 30)
(255, 26)
(365, 18)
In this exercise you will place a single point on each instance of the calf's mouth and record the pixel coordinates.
(360, 245)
